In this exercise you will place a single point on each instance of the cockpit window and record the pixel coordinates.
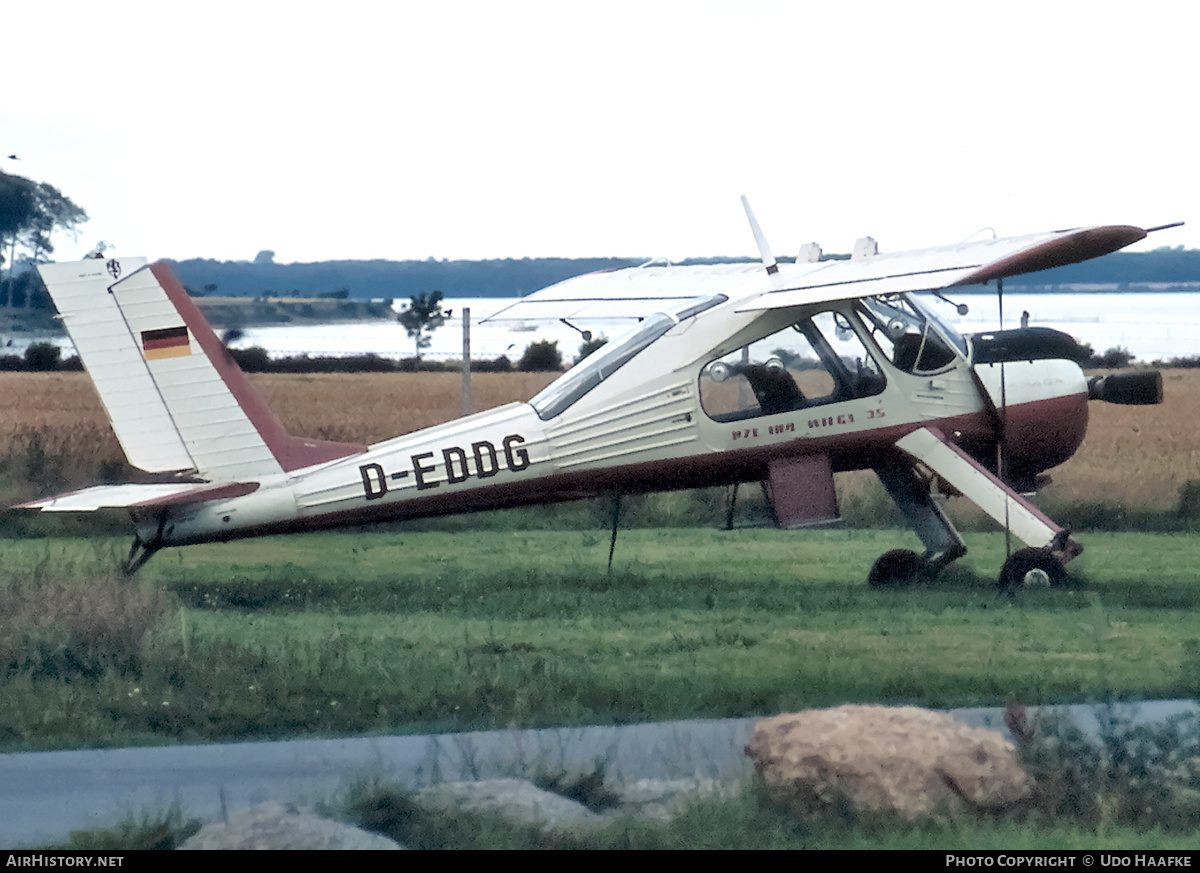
(817, 360)
(598, 366)
(909, 334)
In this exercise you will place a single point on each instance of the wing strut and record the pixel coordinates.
(988, 492)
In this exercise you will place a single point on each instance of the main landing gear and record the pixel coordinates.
(1038, 568)
(141, 550)
(1025, 568)
(899, 568)
(139, 554)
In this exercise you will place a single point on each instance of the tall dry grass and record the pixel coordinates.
(54, 434)
(1137, 455)
(53, 424)
(370, 407)
(59, 628)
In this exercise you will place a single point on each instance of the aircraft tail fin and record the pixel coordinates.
(174, 395)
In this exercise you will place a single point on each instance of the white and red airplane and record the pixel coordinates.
(783, 374)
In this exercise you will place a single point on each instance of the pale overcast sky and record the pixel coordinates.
(509, 129)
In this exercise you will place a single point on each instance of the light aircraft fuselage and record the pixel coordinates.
(734, 373)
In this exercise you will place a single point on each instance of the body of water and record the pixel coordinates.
(1151, 326)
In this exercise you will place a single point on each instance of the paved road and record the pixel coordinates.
(45, 795)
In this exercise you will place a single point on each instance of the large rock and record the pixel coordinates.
(516, 799)
(904, 759)
(521, 801)
(271, 825)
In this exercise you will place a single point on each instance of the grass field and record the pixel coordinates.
(360, 633)
(464, 627)
(351, 633)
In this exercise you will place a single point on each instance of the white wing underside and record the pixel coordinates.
(622, 295)
(640, 291)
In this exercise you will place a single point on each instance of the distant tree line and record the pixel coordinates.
(509, 277)
(256, 360)
(517, 277)
(539, 356)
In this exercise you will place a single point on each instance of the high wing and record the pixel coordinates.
(639, 291)
(971, 263)
(633, 293)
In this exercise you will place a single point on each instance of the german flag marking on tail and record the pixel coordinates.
(168, 342)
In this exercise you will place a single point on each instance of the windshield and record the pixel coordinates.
(945, 328)
(601, 364)
(910, 334)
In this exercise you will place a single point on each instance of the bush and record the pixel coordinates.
(541, 356)
(589, 346)
(42, 357)
(1115, 358)
(1140, 776)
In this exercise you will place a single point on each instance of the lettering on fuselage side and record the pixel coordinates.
(450, 457)
(374, 483)
(420, 471)
(830, 421)
(457, 463)
(518, 459)
(772, 429)
(485, 451)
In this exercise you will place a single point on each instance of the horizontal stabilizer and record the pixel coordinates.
(980, 486)
(140, 496)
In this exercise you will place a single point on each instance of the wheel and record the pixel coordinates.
(896, 569)
(1031, 568)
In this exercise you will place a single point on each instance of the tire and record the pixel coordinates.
(1031, 568)
(898, 568)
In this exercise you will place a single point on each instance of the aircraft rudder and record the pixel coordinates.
(81, 291)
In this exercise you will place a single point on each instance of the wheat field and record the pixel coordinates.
(1135, 455)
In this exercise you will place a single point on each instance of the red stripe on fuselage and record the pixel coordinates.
(862, 450)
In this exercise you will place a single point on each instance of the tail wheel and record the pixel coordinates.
(898, 568)
(1031, 568)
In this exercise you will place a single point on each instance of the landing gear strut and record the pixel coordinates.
(142, 551)
(901, 567)
(139, 554)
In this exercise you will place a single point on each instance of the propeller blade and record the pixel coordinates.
(764, 250)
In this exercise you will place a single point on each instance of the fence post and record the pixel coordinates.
(468, 402)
